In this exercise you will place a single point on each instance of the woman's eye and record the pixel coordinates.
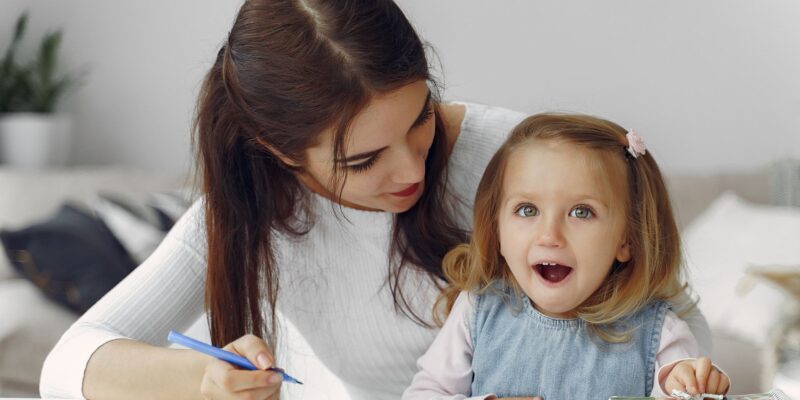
(527, 211)
(424, 118)
(365, 165)
(581, 212)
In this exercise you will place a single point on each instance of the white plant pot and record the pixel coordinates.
(34, 141)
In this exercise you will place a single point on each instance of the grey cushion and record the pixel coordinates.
(72, 257)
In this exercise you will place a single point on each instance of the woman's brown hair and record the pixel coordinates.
(654, 270)
(291, 69)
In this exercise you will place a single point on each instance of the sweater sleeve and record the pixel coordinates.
(697, 324)
(445, 370)
(164, 293)
(678, 343)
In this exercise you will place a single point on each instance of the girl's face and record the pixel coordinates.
(385, 153)
(560, 222)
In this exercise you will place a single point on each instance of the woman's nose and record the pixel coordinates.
(410, 168)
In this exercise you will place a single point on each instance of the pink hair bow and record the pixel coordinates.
(636, 145)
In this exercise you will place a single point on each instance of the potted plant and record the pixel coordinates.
(32, 134)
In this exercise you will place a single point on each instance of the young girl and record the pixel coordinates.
(564, 286)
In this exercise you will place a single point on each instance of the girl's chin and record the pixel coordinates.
(553, 308)
(556, 312)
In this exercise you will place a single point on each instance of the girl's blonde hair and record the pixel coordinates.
(654, 271)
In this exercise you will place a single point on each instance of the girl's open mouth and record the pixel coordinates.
(552, 272)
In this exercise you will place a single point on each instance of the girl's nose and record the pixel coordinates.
(550, 234)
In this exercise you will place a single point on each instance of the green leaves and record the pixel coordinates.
(9, 71)
(34, 87)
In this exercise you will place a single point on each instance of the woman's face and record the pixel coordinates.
(385, 152)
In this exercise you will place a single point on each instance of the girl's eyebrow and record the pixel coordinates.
(368, 154)
(524, 196)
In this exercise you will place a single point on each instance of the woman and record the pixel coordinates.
(334, 182)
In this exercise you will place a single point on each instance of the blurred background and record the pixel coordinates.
(712, 86)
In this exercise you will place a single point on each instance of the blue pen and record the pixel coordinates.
(223, 355)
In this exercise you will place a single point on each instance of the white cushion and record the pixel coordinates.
(720, 245)
(6, 270)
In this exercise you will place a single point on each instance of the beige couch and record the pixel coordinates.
(31, 324)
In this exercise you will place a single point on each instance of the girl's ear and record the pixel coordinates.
(623, 252)
(283, 157)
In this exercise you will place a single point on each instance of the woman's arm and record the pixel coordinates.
(127, 369)
(164, 293)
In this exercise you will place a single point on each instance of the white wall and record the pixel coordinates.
(711, 85)
(144, 61)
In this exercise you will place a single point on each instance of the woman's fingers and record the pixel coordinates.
(231, 383)
(269, 393)
(224, 381)
(254, 349)
(702, 368)
(232, 379)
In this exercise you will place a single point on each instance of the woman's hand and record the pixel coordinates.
(222, 381)
(696, 376)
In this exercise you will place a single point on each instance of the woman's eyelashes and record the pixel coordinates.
(424, 118)
(366, 164)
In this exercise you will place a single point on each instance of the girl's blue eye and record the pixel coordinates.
(527, 211)
(581, 212)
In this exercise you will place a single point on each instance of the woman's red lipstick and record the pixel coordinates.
(407, 191)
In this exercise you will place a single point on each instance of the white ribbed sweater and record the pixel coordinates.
(332, 286)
